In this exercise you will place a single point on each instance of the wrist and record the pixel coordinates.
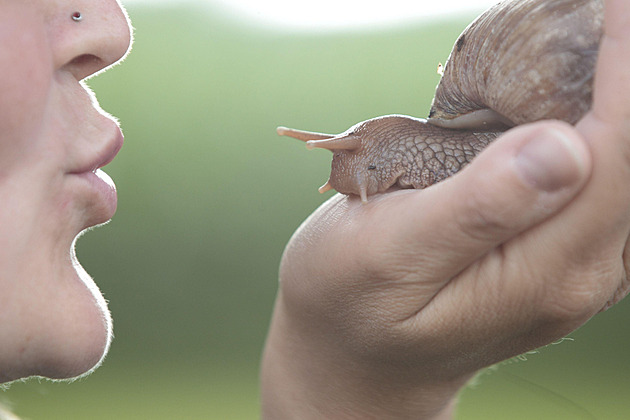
(306, 375)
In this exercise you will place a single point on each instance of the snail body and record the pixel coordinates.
(520, 61)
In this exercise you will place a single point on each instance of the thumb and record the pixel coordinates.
(527, 175)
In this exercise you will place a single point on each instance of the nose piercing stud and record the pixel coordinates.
(77, 17)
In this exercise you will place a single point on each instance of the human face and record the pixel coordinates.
(53, 138)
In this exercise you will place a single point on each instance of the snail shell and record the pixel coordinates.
(520, 61)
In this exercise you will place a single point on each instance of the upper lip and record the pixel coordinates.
(105, 155)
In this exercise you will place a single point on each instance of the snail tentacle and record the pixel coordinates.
(301, 134)
(342, 142)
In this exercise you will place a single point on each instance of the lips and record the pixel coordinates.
(104, 155)
(95, 189)
(111, 151)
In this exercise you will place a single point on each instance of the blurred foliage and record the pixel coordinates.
(209, 196)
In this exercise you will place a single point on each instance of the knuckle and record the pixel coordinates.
(584, 293)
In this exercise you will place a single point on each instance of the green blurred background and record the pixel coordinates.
(209, 195)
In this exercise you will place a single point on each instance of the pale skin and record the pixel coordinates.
(53, 136)
(387, 309)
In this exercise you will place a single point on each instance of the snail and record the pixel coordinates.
(520, 61)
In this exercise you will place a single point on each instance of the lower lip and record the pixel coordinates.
(105, 201)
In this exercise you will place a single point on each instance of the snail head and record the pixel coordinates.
(359, 164)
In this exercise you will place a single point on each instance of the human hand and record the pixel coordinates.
(385, 310)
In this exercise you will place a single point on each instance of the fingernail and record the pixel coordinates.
(550, 161)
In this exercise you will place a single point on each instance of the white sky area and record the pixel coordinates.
(318, 14)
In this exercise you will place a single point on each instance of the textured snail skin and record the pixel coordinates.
(521, 61)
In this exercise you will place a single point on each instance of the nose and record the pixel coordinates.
(91, 37)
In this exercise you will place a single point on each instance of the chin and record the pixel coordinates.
(84, 330)
(92, 327)
(65, 340)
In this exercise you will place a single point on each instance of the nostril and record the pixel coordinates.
(85, 65)
(86, 59)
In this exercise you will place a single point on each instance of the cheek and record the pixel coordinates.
(25, 78)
